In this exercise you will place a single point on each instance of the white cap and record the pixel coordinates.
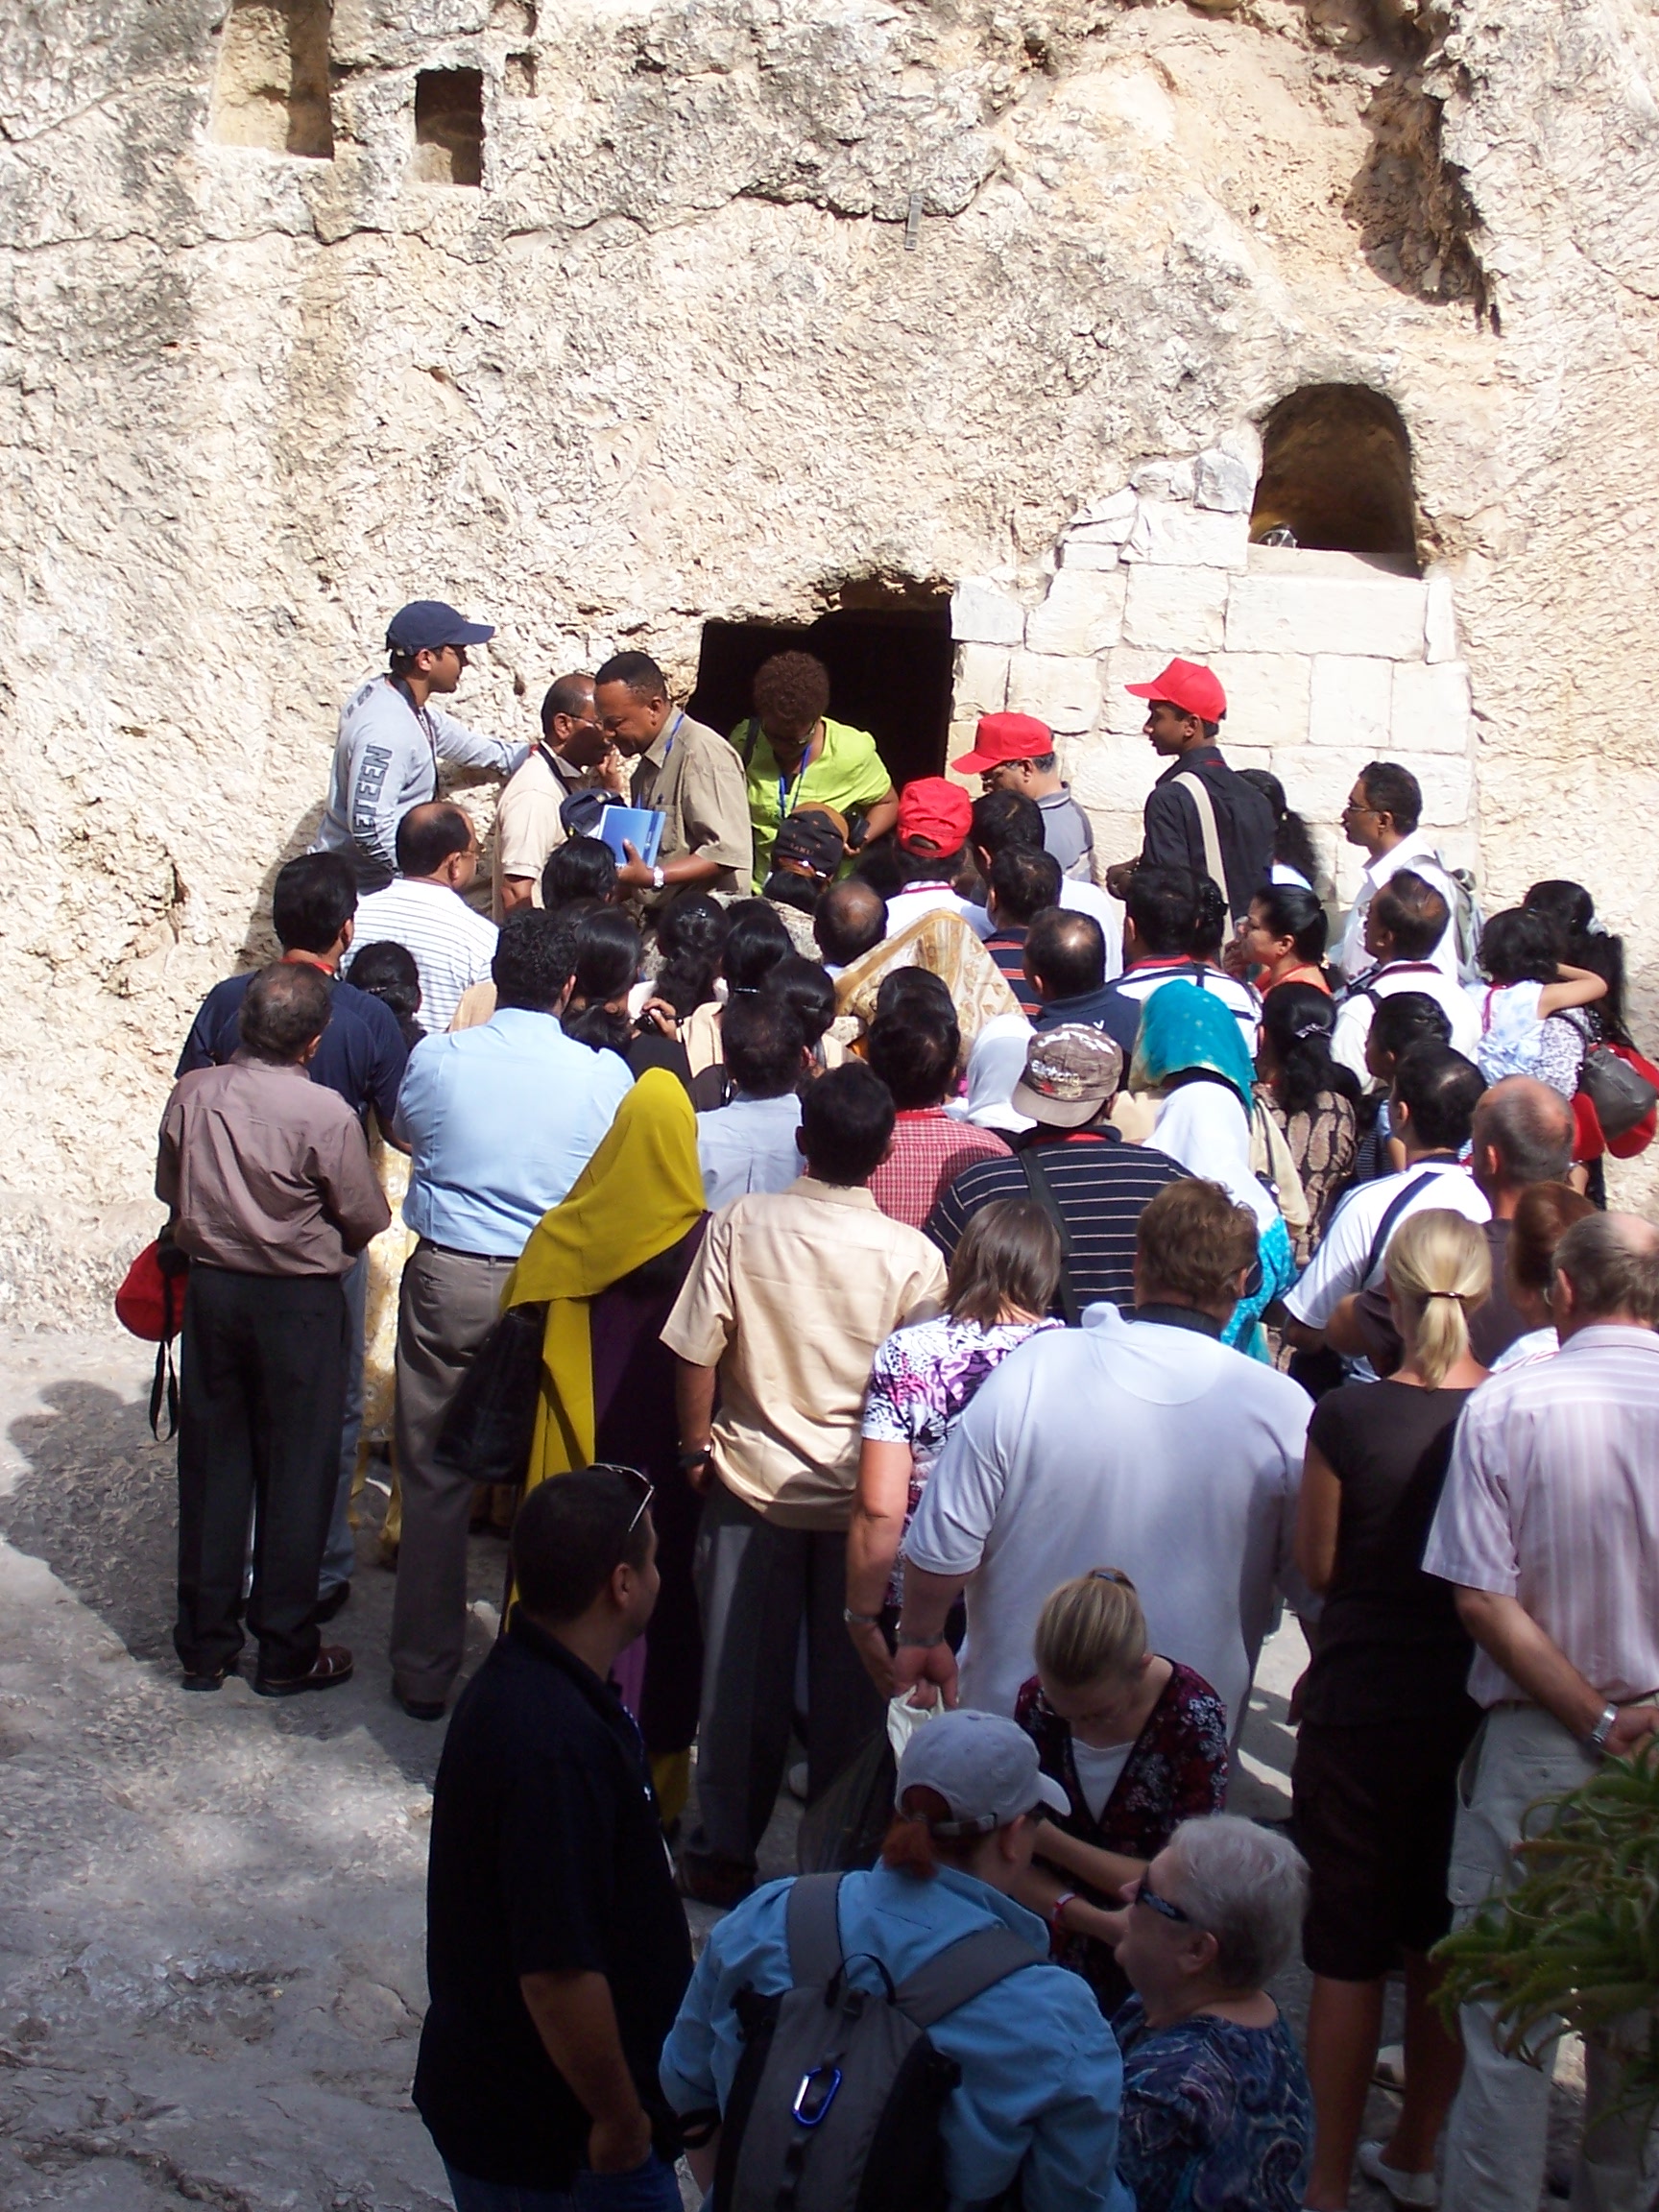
(985, 1768)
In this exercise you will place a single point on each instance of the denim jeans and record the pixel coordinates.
(340, 1552)
(650, 2187)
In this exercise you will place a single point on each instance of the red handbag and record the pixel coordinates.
(150, 1305)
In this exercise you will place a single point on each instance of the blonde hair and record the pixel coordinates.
(1089, 1627)
(1440, 1269)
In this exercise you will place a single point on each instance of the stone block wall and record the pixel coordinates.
(1329, 659)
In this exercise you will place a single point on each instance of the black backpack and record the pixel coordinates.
(837, 2103)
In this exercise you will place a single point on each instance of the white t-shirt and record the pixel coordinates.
(1150, 1445)
(907, 906)
(1338, 1270)
(1357, 1012)
(1097, 1771)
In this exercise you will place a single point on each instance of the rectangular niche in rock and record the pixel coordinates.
(272, 88)
(449, 127)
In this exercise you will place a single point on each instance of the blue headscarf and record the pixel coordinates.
(1182, 1029)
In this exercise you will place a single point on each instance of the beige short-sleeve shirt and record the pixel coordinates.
(790, 1293)
(527, 823)
(692, 775)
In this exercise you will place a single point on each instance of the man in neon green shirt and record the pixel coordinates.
(793, 754)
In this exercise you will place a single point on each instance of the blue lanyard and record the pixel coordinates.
(672, 734)
(785, 804)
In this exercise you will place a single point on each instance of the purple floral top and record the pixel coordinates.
(922, 1381)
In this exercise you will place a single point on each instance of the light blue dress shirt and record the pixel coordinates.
(749, 1145)
(501, 1120)
(1041, 2080)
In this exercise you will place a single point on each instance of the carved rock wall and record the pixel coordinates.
(751, 304)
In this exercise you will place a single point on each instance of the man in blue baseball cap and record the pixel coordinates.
(391, 738)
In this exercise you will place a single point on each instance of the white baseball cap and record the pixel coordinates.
(985, 1768)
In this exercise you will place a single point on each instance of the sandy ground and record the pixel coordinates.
(211, 1974)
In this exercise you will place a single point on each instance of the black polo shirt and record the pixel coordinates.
(1244, 824)
(361, 1054)
(1102, 1187)
(548, 1857)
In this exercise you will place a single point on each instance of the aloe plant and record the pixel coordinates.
(1578, 1937)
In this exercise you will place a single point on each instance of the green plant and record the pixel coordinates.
(1578, 1937)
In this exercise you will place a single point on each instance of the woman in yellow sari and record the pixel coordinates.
(608, 1263)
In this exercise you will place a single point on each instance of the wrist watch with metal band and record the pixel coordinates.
(1596, 1740)
(658, 879)
(860, 1620)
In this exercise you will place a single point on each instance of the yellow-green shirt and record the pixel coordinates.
(846, 772)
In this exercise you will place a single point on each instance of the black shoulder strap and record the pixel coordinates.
(1396, 1206)
(751, 738)
(1042, 1191)
(962, 1970)
(812, 1928)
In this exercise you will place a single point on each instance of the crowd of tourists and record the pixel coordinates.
(924, 1298)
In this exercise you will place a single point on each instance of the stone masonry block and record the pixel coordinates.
(1063, 693)
(1184, 610)
(1266, 699)
(1123, 714)
(1110, 519)
(1078, 550)
(1083, 614)
(981, 679)
(1431, 706)
(1351, 702)
(1114, 773)
(1447, 786)
(1317, 779)
(1381, 616)
(985, 613)
(1172, 536)
(1225, 483)
(1440, 621)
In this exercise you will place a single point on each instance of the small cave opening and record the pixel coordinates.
(449, 127)
(1336, 475)
(889, 658)
(270, 89)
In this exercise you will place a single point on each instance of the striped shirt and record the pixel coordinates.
(453, 946)
(1552, 1498)
(1102, 1184)
(1008, 949)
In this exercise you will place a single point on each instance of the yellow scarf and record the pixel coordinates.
(640, 1193)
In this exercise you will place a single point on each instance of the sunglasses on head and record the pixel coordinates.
(641, 1481)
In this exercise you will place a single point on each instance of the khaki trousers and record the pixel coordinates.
(448, 1304)
(1496, 2140)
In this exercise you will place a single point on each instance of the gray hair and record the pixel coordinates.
(1612, 1262)
(1530, 1127)
(1245, 1885)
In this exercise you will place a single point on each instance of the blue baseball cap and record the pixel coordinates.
(426, 624)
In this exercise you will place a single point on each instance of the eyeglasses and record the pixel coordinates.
(1145, 1894)
(646, 1487)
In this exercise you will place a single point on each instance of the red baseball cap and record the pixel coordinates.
(935, 811)
(1190, 686)
(1003, 737)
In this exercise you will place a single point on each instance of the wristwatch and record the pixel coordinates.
(658, 879)
(691, 1456)
(1596, 1740)
(860, 1620)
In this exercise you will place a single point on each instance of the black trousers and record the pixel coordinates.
(262, 1394)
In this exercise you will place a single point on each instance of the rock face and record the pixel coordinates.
(611, 321)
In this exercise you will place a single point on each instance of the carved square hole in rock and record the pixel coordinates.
(271, 90)
(889, 663)
(519, 77)
(450, 127)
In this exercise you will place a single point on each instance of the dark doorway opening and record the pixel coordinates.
(1336, 474)
(890, 673)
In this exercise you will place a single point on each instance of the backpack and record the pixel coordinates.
(837, 2103)
(1468, 919)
